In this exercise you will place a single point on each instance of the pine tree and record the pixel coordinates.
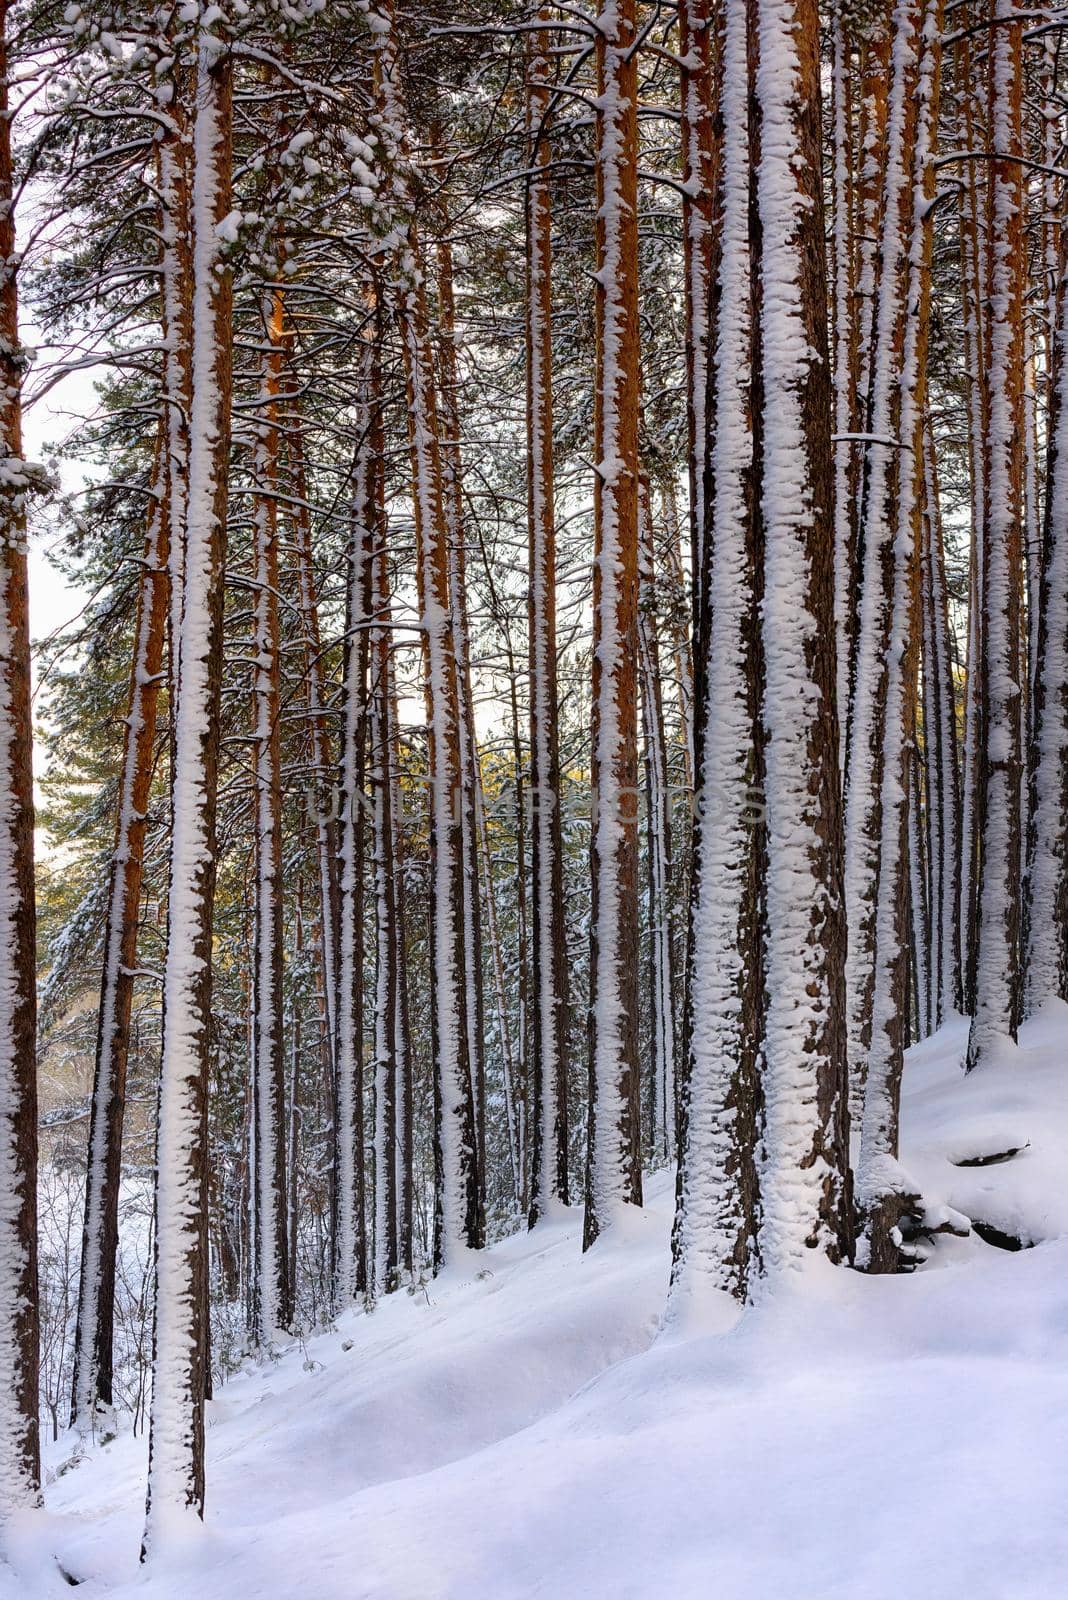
(459, 1210)
(92, 1382)
(176, 1443)
(716, 1220)
(803, 1151)
(20, 1463)
(941, 765)
(613, 1153)
(975, 305)
(884, 1193)
(699, 175)
(1047, 875)
(880, 523)
(548, 1033)
(662, 1118)
(997, 966)
(349, 1264)
(272, 1278)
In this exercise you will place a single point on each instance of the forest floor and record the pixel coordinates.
(522, 1430)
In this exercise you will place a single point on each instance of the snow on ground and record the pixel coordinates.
(525, 1433)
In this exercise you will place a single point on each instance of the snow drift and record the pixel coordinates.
(526, 1431)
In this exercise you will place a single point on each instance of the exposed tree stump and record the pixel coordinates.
(888, 1226)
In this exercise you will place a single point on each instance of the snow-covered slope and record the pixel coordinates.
(526, 1433)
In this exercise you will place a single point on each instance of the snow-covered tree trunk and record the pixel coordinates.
(509, 1082)
(803, 1153)
(922, 998)
(402, 1043)
(458, 1209)
(1047, 876)
(1052, 194)
(549, 999)
(972, 133)
(92, 1382)
(880, 529)
(874, 83)
(385, 1128)
(459, 1220)
(716, 1217)
(323, 763)
(387, 955)
(293, 1129)
(323, 769)
(271, 1268)
(698, 175)
(20, 1462)
(662, 1122)
(681, 633)
(997, 965)
(174, 155)
(614, 1157)
(843, 308)
(521, 1108)
(1032, 542)
(350, 1222)
(1029, 599)
(511, 1076)
(470, 770)
(884, 1193)
(176, 1447)
(941, 768)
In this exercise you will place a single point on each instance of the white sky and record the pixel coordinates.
(52, 601)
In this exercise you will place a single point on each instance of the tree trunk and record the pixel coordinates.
(20, 1461)
(804, 1155)
(402, 1032)
(844, 303)
(874, 75)
(459, 1219)
(323, 763)
(176, 1447)
(1047, 876)
(92, 1381)
(973, 135)
(681, 641)
(658, 851)
(350, 1226)
(884, 1193)
(922, 1022)
(548, 1033)
(458, 1208)
(880, 532)
(941, 771)
(699, 160)
(716, 1217)
(176, 297)
(614, 1154)
(387, 955)
(273, 1311)
(997, 965)
(470, 771)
